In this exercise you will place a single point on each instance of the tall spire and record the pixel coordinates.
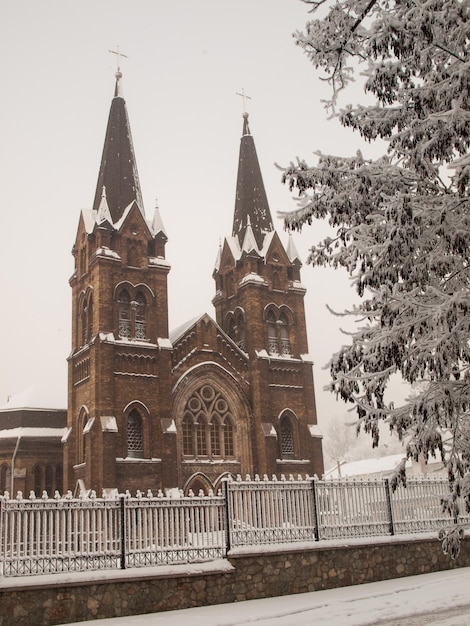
(118, 169)
(251, 203)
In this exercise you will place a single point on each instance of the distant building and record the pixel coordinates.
(149, 409)
(31, 428)
(385, 466)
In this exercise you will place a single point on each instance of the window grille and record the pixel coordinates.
(135, 440)
(124, 304)
(273, 346)
(287, 439)
(140, 320)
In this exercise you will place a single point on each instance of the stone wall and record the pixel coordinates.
(60, 599)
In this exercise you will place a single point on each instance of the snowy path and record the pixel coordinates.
(438, 599)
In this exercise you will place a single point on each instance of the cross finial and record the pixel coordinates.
(245, 98)
(119, 54)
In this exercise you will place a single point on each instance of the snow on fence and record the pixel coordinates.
(62, 534)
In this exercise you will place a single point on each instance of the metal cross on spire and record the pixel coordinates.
(245, 98)
(119, 54)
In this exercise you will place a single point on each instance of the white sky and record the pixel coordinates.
(437, 599)
(186, 62)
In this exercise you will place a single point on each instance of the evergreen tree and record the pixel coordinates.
(402, 221)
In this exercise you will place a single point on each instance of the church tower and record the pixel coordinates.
(119, 399)
(259, 303)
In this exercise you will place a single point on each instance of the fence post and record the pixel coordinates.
(123, 531)
(388, 493)
(228, 517)
(2, 542)
(316, 529)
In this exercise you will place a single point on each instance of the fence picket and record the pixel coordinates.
(45, 535)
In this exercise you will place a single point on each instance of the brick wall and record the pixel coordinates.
(60, 599)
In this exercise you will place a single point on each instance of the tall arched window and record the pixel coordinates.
(240, 325)
(287, 438)
(273, 346)
(82, 422)
(124, 311)
(207, 425)
(201, 436)
(135, 435)
(215, 436)
(188, 432)
(49, 483)
(90, 317)
(38, 479)
(228, 437)
(277, 322)
(284, 334)
(84, 322)
(59, 478)
(140, 317)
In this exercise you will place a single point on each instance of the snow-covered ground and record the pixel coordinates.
(438, 599)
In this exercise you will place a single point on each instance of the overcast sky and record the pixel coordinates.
(186, 62)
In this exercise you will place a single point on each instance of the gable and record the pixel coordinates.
(204, 340)
(275, 253)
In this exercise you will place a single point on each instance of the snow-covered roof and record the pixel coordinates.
(368, 467)
(180, 330)
(29, 431)
(48, 395)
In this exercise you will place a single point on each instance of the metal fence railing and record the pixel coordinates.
(62, 534)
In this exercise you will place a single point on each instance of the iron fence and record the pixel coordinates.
(63, 534)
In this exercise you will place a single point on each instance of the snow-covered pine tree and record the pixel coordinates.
(402, 222)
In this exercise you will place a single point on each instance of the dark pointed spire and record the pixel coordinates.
(251, 203)
(118, 169)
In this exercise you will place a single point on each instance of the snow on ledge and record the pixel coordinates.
(38, 431)
(105, 576)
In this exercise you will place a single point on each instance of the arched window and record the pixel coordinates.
(140, 317)
(49, 484)
(273, 346)
(215, 435)
(241, 331)
(278, 332)
(201, 435)
(90, 317)
(207, 426)
(287, 438)
(188, 432)
(124, 304)
(38, 479)
(59, 478)
(228, 437)
(135, 435)
(82, 422)
(84, 315)
(284, 334)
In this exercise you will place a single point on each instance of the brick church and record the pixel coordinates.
(149, 408)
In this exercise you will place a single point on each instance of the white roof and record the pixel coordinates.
(368, 467)
(48, 395)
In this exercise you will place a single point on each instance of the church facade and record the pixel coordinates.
(150, 409)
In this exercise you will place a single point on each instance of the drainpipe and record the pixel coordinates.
(12, 477)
